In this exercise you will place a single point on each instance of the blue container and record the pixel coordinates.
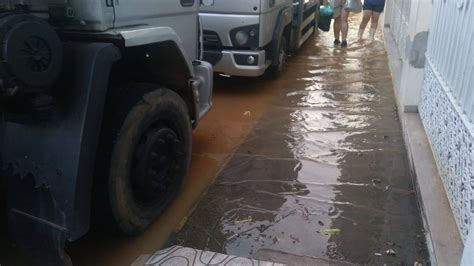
(325, 17)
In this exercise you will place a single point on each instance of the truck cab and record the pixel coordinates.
(249, 37)
(96, 95)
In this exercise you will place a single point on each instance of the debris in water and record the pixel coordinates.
(376, 181)
(331, 232)
(332, 211)
(390, 252)
(332, 252)
(262, 228)
(320, 223)
(247, 113)
(248, 219)
(232, 237)
(305, 214)
(295, 239)
(378, 254)
(387, 188)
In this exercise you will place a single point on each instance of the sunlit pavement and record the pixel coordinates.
(310, 164)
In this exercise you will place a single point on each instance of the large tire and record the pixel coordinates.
(150, 154)
(277, 69)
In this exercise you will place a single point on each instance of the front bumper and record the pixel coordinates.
(233, 62)
(202, 85)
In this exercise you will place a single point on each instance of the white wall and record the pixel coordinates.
(413, 63)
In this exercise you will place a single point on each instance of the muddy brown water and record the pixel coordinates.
(324, 173)
(311, 164)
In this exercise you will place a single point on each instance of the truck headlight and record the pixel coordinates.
(242, 37)
(247, 36)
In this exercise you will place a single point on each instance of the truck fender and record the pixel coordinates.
(285, 17)
(151, 35)
(170, 64)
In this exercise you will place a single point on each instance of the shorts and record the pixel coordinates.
(373, 7)
(337, 6)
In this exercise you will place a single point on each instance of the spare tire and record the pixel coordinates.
(31, 52)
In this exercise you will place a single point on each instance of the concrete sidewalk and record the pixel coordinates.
(444, 241)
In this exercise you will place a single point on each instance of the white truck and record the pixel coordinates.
(249, 37)
(96, 94)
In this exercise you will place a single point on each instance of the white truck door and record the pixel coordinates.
(180, 15)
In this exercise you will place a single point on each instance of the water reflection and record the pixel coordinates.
(324, 173)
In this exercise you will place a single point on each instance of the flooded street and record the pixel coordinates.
(311, 164)
(324, 172)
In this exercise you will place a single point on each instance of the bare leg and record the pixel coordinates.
(344, 23)
(364, 22)
(374, 24)
(337, 28)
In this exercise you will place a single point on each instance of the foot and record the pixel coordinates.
(360, 34)
(372, 35)
(336, 42)
(344, 44)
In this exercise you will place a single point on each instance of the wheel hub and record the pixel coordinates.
(155, 160)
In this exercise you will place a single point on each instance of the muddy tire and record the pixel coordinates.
(150, 154)
(277, 69)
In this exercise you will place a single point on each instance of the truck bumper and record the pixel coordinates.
(202, 89)
(237, 62)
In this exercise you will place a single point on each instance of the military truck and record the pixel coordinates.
(249, 37)
(96, 93)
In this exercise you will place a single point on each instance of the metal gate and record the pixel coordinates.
(447, 104)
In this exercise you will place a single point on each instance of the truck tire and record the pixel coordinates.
(150, 155)
(277, 69)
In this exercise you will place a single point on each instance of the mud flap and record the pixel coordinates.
(49, 165)
(284, 17)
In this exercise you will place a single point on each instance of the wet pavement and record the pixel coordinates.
(310, 164)
(324, 173)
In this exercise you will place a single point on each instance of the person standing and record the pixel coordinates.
(341, 20)
(372, 11)
(338, 7)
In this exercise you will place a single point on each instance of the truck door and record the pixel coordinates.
(180, 15)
